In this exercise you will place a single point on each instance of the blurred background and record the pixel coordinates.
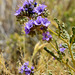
(11, 37)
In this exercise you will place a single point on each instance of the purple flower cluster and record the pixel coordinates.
(47, 36)
(25, 69)
(38, 24)
(62, 49)
(29, 8)
(26, 9)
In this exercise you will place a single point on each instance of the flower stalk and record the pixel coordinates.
(58, 58)
(69, 45)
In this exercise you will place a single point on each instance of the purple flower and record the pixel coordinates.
(40, 9)
(29, 24)
(27, 30)
(38, 21)
(32, 68)
(28, 6)
(30, 9)
(30, 1)
(19, 11)
(26, 69)
(27, 3)
(35, 4)
(47, 36)
(22, 69)
(53, 58)
(26, 9)
(60, 45)
(45, 22)
(62, 49)
(26, 63)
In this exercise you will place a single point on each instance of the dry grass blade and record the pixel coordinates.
(38, 47)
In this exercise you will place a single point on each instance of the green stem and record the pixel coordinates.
(68, 65)
(51, 53)
(59, 37)
(71, 52)
(69, 46)
(53, 46)
(62, 60)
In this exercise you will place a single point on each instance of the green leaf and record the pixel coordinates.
(71, 38)
(73, 29)
(50, 73)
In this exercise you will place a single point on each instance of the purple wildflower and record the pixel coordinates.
(30, 1)
(60, 45)
(26, 63)
(27, 3)
(32, 68)
(27, 73)
(62, 49)
(30, 9)
(40, 9)
(22, 69)
(27, 30)
(38, 21)
(29, 24)
(28, 6)
(53, 58)
(45, 22)
(19, 11)
(26, 69)
(35, 4)
(26, 9)
(47, 36)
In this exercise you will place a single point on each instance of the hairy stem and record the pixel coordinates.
(71, 52)
(59, 37)
(69, 45)
(62, 60)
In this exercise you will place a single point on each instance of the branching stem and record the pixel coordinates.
(69, 45)
(63, 61)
